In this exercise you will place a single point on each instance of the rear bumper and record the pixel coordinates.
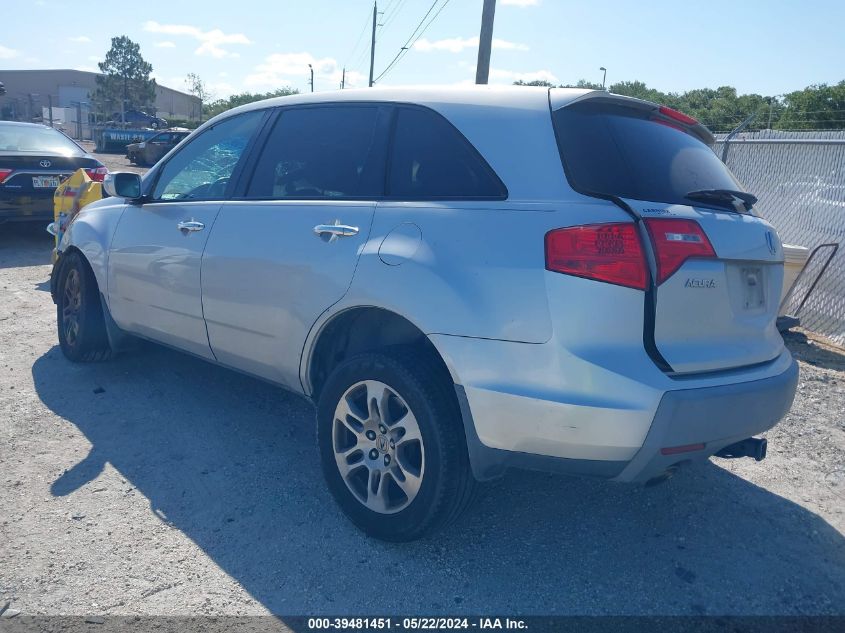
(542, 408)
(712, 416)
(26, 207)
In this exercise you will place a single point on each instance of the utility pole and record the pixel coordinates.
(485, 42)
(343, 79)
(604, 77)
(50, 107)
(312, 77)
(373, 43)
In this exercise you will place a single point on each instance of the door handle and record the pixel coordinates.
(187, 226)
(333, 231)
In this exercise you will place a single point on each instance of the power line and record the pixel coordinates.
(386, 9)
(388, 19)
(358, 41)
(409, 43)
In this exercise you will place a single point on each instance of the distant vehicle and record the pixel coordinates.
(139, 118)
(34, 160)
(149, 152)
(463, 280)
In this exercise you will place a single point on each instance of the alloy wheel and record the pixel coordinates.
(72, 306)
(378, 447)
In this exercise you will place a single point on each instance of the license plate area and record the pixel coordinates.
(753, 287)
(46, 182)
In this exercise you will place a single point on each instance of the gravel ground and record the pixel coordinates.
(115, 162)
(160, 484)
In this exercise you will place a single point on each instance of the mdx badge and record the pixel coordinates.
(693, 282)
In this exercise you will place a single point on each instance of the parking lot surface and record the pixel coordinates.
(160, 484)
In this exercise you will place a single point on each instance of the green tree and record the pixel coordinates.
(537, 82)
(818, 107)
(221, 105)
(125, 78)
(583, 83)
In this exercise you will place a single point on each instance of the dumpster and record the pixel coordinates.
(109, 139)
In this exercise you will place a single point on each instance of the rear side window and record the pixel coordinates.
(323, 152)
(431, 159)
(620, 151)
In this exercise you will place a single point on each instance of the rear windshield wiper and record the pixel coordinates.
(741, 201)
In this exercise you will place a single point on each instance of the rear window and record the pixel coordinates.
(37, 139)
(616, 150)
(430, 159)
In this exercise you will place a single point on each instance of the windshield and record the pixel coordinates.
(23, 138)
(611, 149)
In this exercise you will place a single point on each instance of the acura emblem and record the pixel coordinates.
(45, 163)
(770, 242)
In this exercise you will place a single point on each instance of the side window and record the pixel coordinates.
(323, 152)
(201, 169)
(430, 159)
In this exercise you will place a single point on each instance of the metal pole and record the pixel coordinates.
(485, 42)
(50, 108)
(343, 80)
(604, 78)
(79, 121)
(312, 77)
(739, 128)
(373, 43)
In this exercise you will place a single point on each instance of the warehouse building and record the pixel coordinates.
(31, 93)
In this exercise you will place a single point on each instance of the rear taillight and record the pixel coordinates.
(97, 174)
(680, 117)
(675, 241)
(4, 173)
(604, 252)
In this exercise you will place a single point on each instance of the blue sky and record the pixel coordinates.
(769, 47)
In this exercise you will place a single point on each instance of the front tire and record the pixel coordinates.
(392, 445)
(79, 314)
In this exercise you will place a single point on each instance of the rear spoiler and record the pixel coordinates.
(562, 97)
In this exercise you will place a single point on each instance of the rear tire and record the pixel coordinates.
(79, 313)
(394, 413)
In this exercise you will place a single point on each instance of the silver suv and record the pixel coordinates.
(463, 280)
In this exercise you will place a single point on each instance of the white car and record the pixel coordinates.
(463, 280)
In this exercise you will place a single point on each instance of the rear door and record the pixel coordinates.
(286, 249)
(717, 268)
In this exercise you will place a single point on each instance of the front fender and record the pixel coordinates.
(91, 232)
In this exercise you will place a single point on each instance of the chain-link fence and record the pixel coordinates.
(799, 178)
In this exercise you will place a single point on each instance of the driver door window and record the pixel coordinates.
(201, 170)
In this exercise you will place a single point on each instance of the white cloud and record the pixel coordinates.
(458, 44)
(82, 39)
(164, 44)
(211, 42)
(8, 53)
(521, 3)
(281, 69)
(94, 58)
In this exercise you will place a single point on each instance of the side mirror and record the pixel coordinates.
(123, 185)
